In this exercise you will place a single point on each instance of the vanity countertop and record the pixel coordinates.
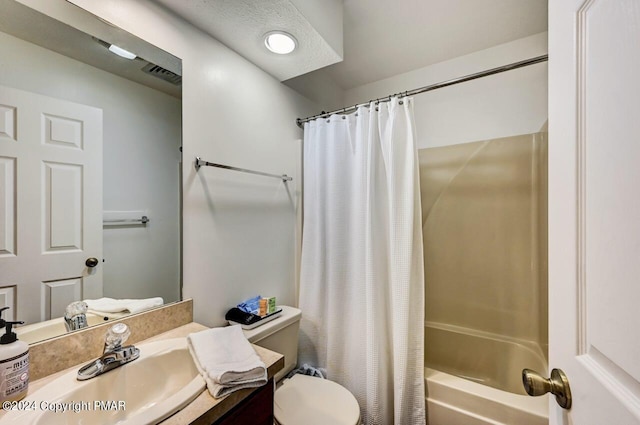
(204, 409)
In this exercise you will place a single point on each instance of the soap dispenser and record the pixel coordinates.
(14, 363)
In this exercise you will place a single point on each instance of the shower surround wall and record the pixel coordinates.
(484, 229)
(484, 215)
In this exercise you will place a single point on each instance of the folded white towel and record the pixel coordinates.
(110, 305)
(226, 360)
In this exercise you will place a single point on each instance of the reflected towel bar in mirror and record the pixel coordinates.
(199, 163)
(142, 220)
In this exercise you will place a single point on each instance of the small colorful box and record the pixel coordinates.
(262, 311)
(271, 305)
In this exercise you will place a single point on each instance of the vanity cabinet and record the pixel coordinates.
(256, 409)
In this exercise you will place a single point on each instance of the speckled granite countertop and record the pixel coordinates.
(204, 409)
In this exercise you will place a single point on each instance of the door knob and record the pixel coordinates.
(558, 385)
(91, 262)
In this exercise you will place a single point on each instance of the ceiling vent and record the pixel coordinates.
(163, 74)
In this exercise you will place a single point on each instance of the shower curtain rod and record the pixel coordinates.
(481, 74)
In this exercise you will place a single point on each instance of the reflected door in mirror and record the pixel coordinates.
(50, 202)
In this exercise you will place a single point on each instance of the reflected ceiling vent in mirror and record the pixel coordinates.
(163, 74)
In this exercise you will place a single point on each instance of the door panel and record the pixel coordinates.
(609, 175)
(7, 122)
(594, 210)
(51, 161)
(7, 206)
(62, 197)
(7, 298)
(62, 132)
(59, 294)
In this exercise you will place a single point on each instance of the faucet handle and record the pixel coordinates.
(116, 336)
(75, 308)
(75, 316)
(114, 354)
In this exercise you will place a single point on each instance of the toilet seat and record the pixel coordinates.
(314, 401)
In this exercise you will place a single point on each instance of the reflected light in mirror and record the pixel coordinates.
(122, 52)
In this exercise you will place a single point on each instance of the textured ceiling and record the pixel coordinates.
(242, 24)
(383, 38)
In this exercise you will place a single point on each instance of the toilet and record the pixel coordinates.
(302, 399)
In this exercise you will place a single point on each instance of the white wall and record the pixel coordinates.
(239, 233)
(506, 104)
(141, 140)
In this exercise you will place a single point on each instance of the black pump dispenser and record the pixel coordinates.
(9, 335)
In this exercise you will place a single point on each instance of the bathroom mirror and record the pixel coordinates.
(90, 169)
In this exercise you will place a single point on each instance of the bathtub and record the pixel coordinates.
(456, 401)
(491, 391)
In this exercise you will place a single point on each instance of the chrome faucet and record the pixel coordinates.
(75, 316)
(115, 355)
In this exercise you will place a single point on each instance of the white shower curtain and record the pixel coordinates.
(362, 276)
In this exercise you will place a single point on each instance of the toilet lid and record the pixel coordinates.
(314, 401)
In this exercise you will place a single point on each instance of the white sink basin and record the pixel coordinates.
(48, 329)
(162, 381)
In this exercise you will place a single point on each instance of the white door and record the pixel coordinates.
(50, 203)
(594, 208)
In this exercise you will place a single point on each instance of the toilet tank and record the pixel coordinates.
(279, 335)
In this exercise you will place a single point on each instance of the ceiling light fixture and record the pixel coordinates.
(121, 52)
(280, 42)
